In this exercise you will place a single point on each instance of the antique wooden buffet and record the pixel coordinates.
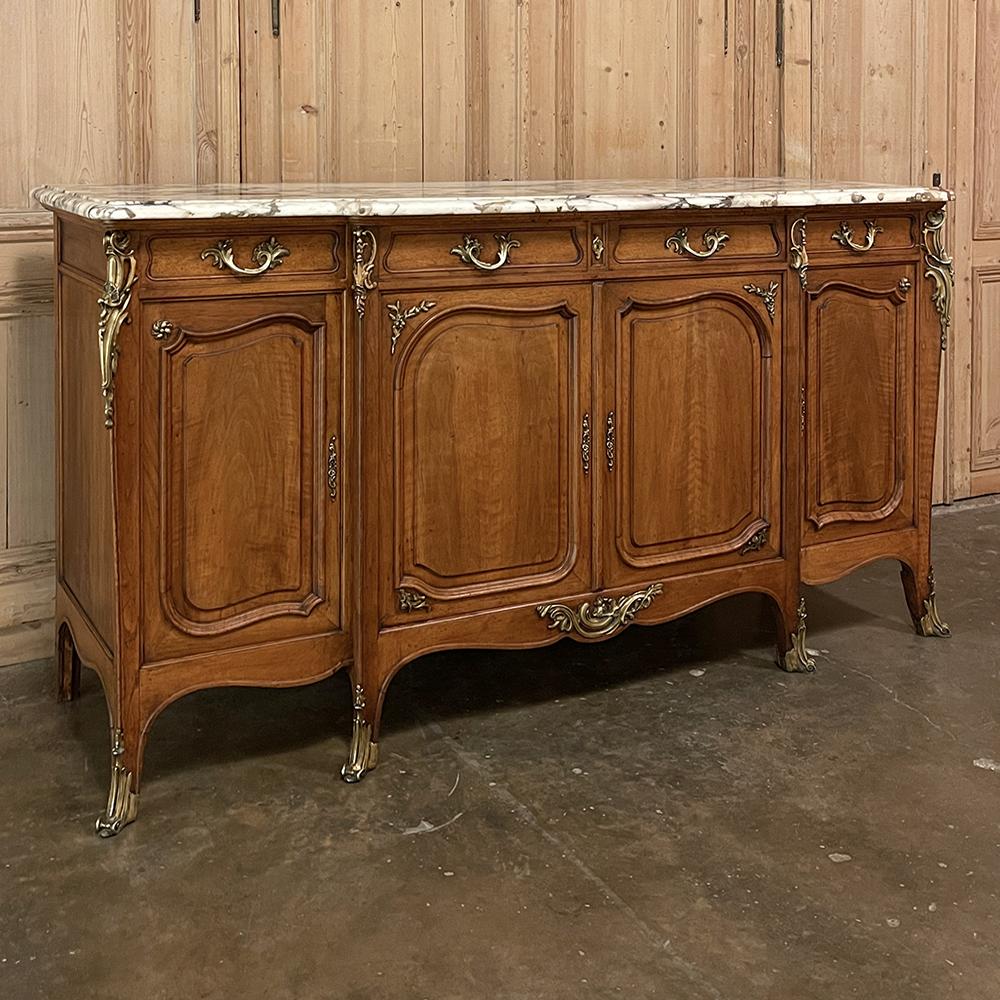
(307, 428)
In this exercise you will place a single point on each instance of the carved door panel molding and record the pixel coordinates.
(693, 373)
(860, 385)
(487, 402)
(242, 527)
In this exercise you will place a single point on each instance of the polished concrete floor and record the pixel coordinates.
(662, 815)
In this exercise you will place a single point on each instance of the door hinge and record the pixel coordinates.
(197, 11)
(802, 413)
(779, 34)
(275, 17)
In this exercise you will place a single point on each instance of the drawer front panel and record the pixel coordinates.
(497, 247)
(858, 235)
(254, 257)
(677, 242)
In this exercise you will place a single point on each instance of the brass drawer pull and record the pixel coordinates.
(468, 252)
(714, 240)
(845, 237)
(268, 254)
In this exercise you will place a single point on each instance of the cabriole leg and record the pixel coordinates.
(793, 655)
(123, 800)
(68, 666)
(363, 754)
(922, 602)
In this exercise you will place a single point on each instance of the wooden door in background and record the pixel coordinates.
(976, 332)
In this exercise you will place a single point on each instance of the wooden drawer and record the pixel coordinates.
(499, 248)
(258, 256)
(678, 241)
(857, 235)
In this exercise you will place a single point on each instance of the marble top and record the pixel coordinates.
(137, 203)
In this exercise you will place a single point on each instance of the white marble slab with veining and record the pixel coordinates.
(138, 203)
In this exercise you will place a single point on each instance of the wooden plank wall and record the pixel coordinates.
(486, 89)
(52, 124)
(130, 91)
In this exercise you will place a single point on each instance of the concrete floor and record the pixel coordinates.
(661, 815)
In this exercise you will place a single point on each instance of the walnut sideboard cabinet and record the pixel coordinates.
(307, 428)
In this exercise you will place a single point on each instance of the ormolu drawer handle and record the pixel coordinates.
(714, 240)
(467, 253)
(845, 237)
(268, 254)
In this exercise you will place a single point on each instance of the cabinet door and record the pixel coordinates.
(692, 440)
(241, 450)
(485, 397)
(860, 374)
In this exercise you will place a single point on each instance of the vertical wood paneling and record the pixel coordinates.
(708, 140)
(76, 119)
(795, 89)
(30, 429)
(522, 118)
(307, 115)
(501, 64)
(444, 91)
(27, 366)
(217, 92)
(260, 87)
(5, 335)
(986, 370)
(378, 67)
(627, 102)
(987, 116)
(981, 165)
(939, 87)
(866, 116)
(59, 115)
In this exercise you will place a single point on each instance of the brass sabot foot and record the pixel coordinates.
(362, 758)
(797, 660)
(931, 624)
(363, 755)
(123, 803)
